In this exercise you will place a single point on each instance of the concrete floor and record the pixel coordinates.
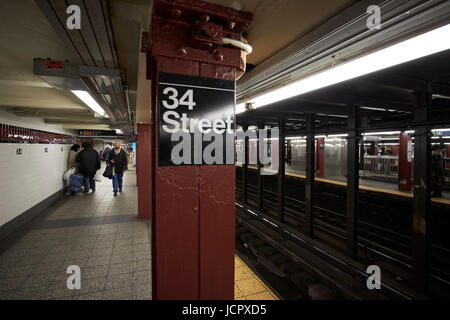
(97, 232)
(102, 235)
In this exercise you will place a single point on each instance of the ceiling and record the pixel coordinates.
(26, 33)
(278, 23)
(387, 100)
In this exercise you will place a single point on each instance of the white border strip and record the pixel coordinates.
(199, 87)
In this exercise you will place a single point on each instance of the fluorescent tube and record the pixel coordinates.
(417, 47)
(89, 101)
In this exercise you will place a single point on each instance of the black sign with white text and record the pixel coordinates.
(196, 120)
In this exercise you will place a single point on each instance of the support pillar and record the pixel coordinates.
(310, 175)
(320, 157)
(422, 190)
(281, 167)
(144, 170)
(354, 136)
(245, 168)
(260, 180)
(362, 155)
(373, 149)
(144, 144)
(404, 163)
(193, 221)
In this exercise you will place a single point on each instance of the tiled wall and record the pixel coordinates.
(32, 176)
(19, 134)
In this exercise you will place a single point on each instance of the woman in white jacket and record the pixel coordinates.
(72, 155)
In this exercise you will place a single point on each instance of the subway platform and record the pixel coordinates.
(97, 232)
(102, 235)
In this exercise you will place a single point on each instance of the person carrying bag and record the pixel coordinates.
(108, 171)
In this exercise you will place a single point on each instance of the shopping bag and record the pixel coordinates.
(66, 175)
(98, 177)
(108, 172)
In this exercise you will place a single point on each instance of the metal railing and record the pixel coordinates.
(381, 166)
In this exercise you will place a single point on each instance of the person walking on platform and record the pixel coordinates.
(107, 153)
(89, 161)
(437, 167)
(118, 160)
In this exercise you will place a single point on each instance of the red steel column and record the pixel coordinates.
(193, 216)
(320, 155)
(373, 151)
(404, 166)
(394, 150)
(143, 156)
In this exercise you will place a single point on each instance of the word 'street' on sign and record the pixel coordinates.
(196, 120)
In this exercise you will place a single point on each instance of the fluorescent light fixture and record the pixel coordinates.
(417, 47)
(381, 133)
(119, 131)
(440, 130)
(389, 138)
(332, 135)
(240, 108)
(89, 101)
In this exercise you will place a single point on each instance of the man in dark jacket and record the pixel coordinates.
(118, 159)
(89, 161)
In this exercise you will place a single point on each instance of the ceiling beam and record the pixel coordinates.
(42, 112)
(72, 121)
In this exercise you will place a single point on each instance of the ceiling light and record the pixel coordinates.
(440, 130)
(381, 133)
(89, 101)
(240, 108)
(332, 136)
(417, 47)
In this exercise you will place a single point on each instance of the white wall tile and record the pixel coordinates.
(29, 178)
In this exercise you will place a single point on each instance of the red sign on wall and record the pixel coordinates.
(54, 65)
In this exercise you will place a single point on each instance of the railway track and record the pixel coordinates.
(388, 247)
(295, 262)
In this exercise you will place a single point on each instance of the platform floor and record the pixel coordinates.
(102, 235)
(377, 184)
(97, 232)
(247, 285)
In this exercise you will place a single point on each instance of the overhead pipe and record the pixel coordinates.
(238, 44)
